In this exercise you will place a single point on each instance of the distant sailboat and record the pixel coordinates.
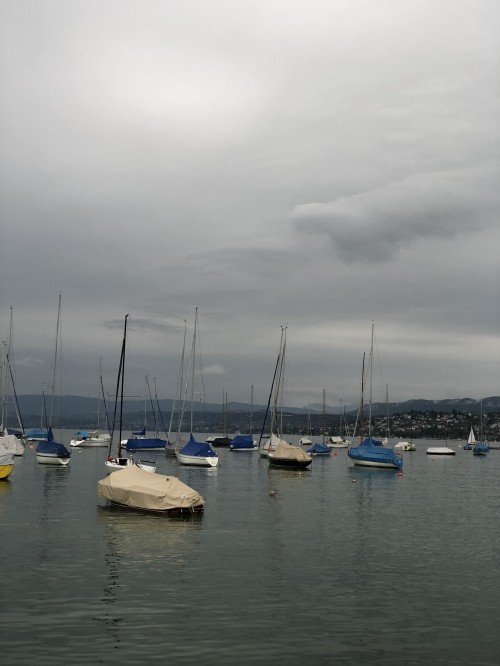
(481, 448)
(50, 452)
(139, 441)
(283, 454)
(198, 454)
(370, 452)
(94, 438)
(321, 448)
(471, 440)
(245, 442)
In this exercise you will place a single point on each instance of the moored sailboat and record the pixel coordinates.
(133, 488)
(279, 452)
(119, 461)
(481, 448)
(193, 453)
(471, 440)
(370, 452)
(320, 448)
(50, 452)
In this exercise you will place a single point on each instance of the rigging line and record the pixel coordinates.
(178, 388)
(16, 401)
(152, 406)
(159, 409)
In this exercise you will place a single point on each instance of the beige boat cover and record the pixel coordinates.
(286, 450)
(133, 487)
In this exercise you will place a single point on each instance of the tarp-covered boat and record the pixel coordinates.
(197, 453)
(6, 462)
(134, 488)
(51, 452)
(370, 453)
(242, 443)
(145, 444)
(319, 449)
(286, 455)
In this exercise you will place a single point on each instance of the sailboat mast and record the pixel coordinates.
(270, 397)
(54, 369)
(122, 385)
(251, 407)
(362, 406)
(371, 388)
(324, 414)
(193, 357)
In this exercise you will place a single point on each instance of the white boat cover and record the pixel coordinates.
(11, 444)
(6, 457)
(286, 450)
(138, 489)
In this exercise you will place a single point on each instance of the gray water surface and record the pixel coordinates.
(344, 565)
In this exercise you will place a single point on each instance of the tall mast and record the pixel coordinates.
(193, 357)
(53, 387)
(371, 387)
(251, 407)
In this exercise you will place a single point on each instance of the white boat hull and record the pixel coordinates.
(113, 465)
(440, 451)
(197, 461)
(89, 443)
(369, 463)
(47, 459)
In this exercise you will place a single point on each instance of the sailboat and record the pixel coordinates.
(193, 453)
(339, 441)
(139, 441)
(406, 445)
(370, 452)
(306, 440)
(50, 452)
(221, 440)
(471, 440)
(245, 442)
(280, 453)
(119, 462)
(175, 443)
(133, 488)
(94, 438)
(481, 448)
(320, 448)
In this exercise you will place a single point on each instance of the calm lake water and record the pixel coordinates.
(343, 565)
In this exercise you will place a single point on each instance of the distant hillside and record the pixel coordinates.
(81, 409)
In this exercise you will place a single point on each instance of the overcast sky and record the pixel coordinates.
(323, 164)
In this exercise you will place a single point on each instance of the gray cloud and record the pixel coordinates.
(373, 226)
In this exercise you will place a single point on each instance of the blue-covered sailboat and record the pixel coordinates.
(199, 454)
(139, 442)
(242, 443)
(480, 449)
(319, 449)
(51, 452)
(370, 452)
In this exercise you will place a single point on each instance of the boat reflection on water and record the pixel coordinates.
(136, 545)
